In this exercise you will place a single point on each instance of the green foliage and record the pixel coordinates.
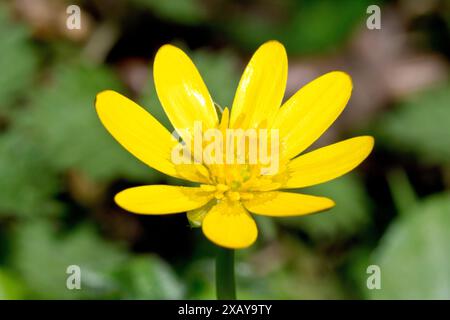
(286, 269)
(41, 255)
(62, 121)
(148, 277)
(180, 11)
(290, 271)
(221, 74)
(27, 182)
(149, 99)
(18, 61)
(419, 126)
(200, 278)
(350, 216)
(414, 254)
(10, 287)
(304, 26)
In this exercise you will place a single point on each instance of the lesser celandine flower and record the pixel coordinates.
(228, 193)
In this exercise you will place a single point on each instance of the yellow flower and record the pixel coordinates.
(227, 193)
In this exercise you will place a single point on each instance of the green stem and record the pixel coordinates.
(225, 283)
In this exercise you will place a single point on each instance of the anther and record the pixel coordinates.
(219, 195)
(233, 196)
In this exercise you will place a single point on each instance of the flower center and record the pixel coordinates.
(240, 170)
(222, 191)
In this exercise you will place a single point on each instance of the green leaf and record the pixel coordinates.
(11, 288)
(349, 217)
(414, 254)
(63, 122)
(181, 11)
(289, 270)
(41, 257)
(419, 126)
(18, 62)
(304, 27)
(200, 279)
(285, 269)
(148, 277)
(27, 183)
(221, 73)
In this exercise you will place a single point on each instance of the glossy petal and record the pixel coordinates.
(136, 130)
(283, 204)
(181, 90)
(162, 199)
(329, 162)
(229, 225)
(261, 88)
(308, 113)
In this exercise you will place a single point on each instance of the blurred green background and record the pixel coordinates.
(59, 169)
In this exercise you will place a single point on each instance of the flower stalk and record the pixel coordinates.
(225, 280)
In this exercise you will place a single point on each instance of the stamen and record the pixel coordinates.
(222, 187)
(219, 195)
(233, 196)
(208, 187)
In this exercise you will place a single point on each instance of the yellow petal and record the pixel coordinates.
(309, 112)
(161, 199)
(181, 90)
(327, 163)
(280, 204)
(229, 225)
(261, 88)
(136, 130)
